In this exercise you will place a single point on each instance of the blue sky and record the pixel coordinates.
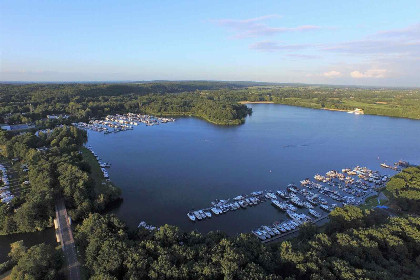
(333, 42)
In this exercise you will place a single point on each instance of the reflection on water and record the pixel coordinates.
(165, 171)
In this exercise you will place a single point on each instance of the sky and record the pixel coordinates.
(330, 42)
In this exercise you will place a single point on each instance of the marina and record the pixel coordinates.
(118, 123)
(170, 170)
(311, 201)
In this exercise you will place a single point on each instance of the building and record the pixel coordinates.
(17, 127)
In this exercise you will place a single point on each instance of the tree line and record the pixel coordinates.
(362, 247)
(216, 102)
(58, 171)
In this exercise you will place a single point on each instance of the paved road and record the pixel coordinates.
(67, 241)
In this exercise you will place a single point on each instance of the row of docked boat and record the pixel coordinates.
(398, 166)
(144, 225)
(103, 165)
(221, 206)
(365, 182)
(117, 123)
(327, 192)
(199, 215)
(278, 229)
(5, 195)
(103, 126)
(136, 119)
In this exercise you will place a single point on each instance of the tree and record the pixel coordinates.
(39, 262)
(17, 250)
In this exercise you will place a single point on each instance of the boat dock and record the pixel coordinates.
(103, 165)
(312, 201)
(117, 123)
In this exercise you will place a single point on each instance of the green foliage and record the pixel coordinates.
(386, 249)
(17, 250)
(405, 189)
(30, 103)
(108, 249)
(60, 171)
(38, 262)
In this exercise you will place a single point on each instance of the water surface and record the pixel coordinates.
(165, 171)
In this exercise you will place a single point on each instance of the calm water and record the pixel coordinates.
(165, 171)
(29, 239)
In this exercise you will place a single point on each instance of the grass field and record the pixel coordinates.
(105, 191)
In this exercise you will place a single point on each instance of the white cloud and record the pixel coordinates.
(332, 74)
(253, 27)
(269, 46)
(372, 73)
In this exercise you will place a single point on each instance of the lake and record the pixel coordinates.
(165, 171)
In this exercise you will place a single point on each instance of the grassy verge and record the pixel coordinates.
(372, 202)
(388, 110)
(6, 275)
(105, 192)
(95, 170)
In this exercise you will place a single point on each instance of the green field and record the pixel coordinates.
(105, 191)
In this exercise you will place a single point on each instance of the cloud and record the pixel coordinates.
(332, 74)
(397, 43)
(253, 27)
(412, 31)
(372, 73)
(382, 47)
(270, 46)
(303, 56)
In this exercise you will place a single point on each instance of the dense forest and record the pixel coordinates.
(37, 262)
(33, 102)
(404, 189)
(356, 244)
(216, 102)
(55, 167)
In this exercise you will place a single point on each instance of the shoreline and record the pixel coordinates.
(256, 102)
(337, 110)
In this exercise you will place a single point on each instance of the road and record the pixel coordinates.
(67, 241)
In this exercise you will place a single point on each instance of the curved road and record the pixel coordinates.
(67, 241)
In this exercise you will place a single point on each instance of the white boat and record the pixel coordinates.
(281, 228)
(197, 215)
(203, 215)
(325, 208)
(314, 213)
(208, 214)
(268, 230)
(243, 203)
(191, 216)
(259, 234)
(215, 210)
(308, 205)
(275, 230)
